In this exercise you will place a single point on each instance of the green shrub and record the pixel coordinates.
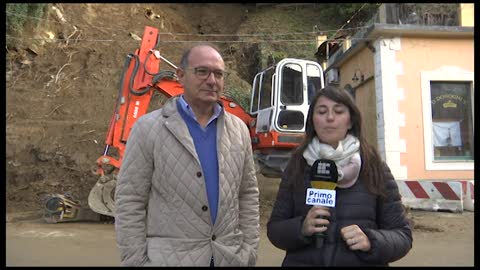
(21, 15)
(16, 17)
(339, 14)
(21, 18)
(239, 96)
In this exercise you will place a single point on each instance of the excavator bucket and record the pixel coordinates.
(101, 197)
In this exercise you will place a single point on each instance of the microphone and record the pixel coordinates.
(323, 179)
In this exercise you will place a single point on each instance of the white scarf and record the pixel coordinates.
(346, 149)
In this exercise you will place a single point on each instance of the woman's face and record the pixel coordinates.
(331, 121)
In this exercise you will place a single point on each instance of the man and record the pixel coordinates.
(187, 194)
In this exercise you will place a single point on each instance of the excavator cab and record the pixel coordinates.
(281, 96)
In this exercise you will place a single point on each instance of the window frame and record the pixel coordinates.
(451, 74)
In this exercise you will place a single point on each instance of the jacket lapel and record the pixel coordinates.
(177, 126)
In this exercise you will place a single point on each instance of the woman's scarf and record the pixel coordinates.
(347, 149)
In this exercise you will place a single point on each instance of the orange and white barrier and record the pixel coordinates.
(448, 195)
(468, 195)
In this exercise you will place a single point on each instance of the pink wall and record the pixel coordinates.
(417, 55)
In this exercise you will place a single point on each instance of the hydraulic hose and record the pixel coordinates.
(132, 77)
(163, 74)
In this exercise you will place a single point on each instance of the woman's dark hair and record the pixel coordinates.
(372, 168)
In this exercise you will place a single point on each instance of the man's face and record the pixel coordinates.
(203, 79)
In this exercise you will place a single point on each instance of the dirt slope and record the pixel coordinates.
(61, 94)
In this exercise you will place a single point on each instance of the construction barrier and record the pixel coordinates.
(468, 195)
(437, 195)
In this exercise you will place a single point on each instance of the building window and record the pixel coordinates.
(452, 124)
(448, 119)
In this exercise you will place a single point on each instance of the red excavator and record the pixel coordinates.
(278, 109)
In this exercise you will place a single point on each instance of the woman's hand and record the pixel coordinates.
(355, 238)
(312, 220)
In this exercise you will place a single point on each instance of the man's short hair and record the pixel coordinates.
(186, 54)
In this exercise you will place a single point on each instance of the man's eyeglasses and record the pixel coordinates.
(203, 73)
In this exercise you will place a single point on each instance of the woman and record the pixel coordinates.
(368, 225)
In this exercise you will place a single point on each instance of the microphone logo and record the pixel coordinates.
(323, 168)
(323, 178)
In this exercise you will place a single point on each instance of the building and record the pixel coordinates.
(411, 72)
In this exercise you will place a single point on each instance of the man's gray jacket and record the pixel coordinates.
(162, 216)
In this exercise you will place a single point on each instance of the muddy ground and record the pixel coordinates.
(440, 239)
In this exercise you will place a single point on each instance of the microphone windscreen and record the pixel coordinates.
(324, 174)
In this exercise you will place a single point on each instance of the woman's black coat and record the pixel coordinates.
(382, 220)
